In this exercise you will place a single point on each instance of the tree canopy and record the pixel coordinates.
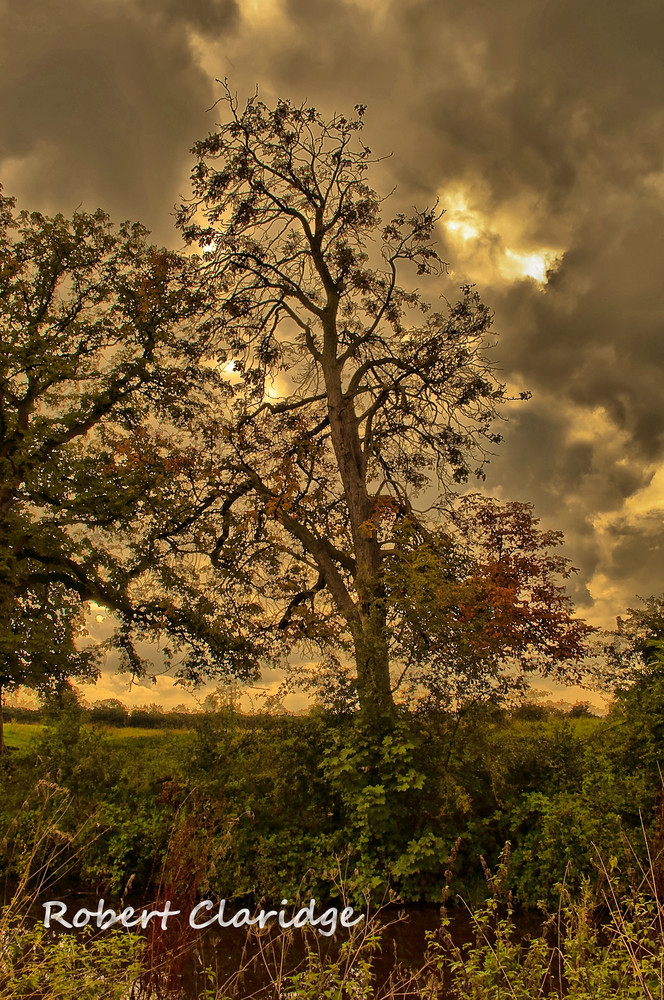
(350, 410)
(635, 649)
(95, 371)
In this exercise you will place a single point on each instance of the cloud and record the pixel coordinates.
(101, 103)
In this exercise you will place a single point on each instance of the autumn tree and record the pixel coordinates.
(351, 407)
(479, 605)
(96, 374)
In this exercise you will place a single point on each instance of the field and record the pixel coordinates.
(21, 735)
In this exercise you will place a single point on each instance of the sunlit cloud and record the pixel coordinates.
(262, 12)
(590, 425)
(493, 242)
(460, 218)
(515, 265)
(649, 499)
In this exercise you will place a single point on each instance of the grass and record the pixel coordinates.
(121, 733)
(581, 727)
(586, 725)
(21, 735)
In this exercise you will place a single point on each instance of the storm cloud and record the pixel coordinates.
(100, 102)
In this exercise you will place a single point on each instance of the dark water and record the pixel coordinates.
(394, 942)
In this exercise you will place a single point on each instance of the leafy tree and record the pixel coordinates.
(635, 657)
(93, 356)
(636, 646)
(476, 607)
(348, 400)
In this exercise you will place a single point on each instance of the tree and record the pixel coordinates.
(93, 357)
(636, 646)
(348, 399)
(634, 666)
(478, 606)
(635, 676)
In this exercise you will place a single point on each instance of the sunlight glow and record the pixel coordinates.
(258, 12)
(464, 229)
(276, 387)
(460, 218)
(527, 265)
(493, 245)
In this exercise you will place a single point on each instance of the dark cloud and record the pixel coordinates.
(516, 94)
(594, 335)
(100, 103)
(210, 17)
(637, 554)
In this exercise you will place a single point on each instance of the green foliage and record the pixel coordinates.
(260, 807)
(280, 802)
(36, 964)
(577, 955)
(273, 817)
(100, 800)
(557, 791)
(380, 781)
(637, 724)
(637, 643)
(350, 975)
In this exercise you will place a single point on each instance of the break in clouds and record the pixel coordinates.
(540, 128)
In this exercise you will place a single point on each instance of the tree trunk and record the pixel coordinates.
(369, 630)
(372, 658)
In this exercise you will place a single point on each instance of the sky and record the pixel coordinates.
(539, 126)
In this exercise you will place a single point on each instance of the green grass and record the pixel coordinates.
(21, 735)
(580, 727)
(120, 733)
